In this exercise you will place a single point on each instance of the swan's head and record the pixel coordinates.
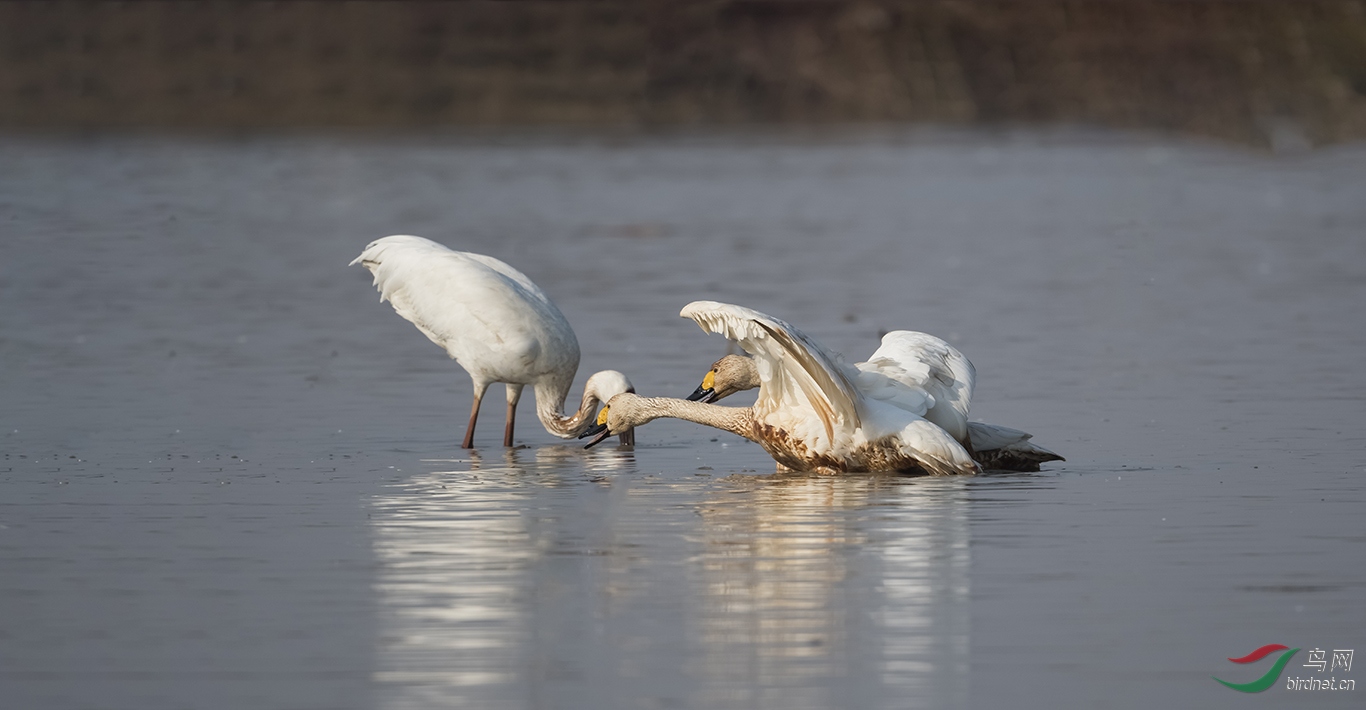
(603, 386)
(730, 374)
(619, 416)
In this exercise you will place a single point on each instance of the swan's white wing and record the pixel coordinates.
(935, 450)
(885, 382)
(923, 375)
(797, 374)
(486, 314)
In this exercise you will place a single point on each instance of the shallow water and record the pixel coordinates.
(229, 476)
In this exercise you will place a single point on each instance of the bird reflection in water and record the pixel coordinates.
(552, 577)
(834, 591)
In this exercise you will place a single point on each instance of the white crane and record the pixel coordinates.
(810, 414)
(906, 363)
(496, 323)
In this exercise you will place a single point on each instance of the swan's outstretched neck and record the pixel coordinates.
(640, 410)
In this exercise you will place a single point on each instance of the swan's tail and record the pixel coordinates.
(1006, 449)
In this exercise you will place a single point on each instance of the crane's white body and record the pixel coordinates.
(494, 321)
(814, 412)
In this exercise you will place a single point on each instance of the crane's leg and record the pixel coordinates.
(514, 394)
(628, 437)
(479, 388)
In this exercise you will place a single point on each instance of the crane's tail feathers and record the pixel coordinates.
(400, 249)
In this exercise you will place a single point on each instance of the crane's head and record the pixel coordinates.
(602, 387)
(605, 385)
(730, 374)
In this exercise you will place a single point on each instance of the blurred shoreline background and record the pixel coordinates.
(1271, 73)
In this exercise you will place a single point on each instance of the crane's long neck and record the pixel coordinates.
(550, 396)
(736, 420)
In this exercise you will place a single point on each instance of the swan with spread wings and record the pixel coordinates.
(810, 414)
(918, 361)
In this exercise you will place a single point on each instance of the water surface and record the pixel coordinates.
(229, 476)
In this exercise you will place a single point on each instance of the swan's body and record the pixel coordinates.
(906, 366)
(496, 323)
(811, 413)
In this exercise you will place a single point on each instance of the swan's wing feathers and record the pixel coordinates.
(919, 353)
(886, 382)
(923, 362)
(936, 451)
(787, 358)
(735, 323)
(820, 382)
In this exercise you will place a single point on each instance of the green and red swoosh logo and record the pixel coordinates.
(1273, 675)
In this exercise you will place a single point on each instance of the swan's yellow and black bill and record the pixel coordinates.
(599, 431)
(705, 392)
